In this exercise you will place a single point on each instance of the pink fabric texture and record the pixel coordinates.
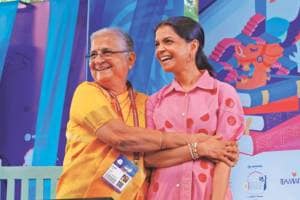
(210, 107)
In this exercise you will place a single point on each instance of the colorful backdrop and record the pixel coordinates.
(252, 44)
(255, 46)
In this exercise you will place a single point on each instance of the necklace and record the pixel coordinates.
(117, 107)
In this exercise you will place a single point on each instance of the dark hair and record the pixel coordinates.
(188, 29)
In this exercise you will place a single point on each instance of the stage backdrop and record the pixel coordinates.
(252, 44)
(255, 46)
(44, 46)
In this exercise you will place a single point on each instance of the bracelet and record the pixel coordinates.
(193, 150)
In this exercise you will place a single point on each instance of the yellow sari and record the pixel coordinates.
(87, 158)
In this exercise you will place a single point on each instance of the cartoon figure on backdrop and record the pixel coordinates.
(252, 71)
(106, 138)
(281, 129)
(194, 102)
(256, 61)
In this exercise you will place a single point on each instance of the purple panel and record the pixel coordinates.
(203, 4)
(20, 85)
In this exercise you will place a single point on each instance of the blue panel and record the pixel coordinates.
(58, 57)
(77, 72)
(147, 75)
(7, 19)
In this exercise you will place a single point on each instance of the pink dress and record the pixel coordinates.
(210, 107)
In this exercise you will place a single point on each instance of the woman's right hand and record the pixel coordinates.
(216, 149)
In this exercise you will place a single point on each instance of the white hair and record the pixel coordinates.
(123, 35)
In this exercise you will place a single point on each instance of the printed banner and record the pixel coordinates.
(255, 46)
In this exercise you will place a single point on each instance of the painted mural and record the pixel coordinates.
(258, 52)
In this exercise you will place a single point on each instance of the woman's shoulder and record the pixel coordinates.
(87, 85)
(226, 92)
(160, 92)
(88, 89)
(225, 87)
(158, 96)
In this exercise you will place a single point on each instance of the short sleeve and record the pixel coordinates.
(231, 122)
(89, 107)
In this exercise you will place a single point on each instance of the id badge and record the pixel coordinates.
(120, 173)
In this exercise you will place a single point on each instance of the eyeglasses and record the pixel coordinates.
(104, 53)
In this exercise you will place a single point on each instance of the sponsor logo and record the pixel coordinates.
(293, 179)
(256, 184)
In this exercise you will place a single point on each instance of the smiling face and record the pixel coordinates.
(110, 69)
(172, 51)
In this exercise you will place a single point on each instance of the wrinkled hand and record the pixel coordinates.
(216, 150)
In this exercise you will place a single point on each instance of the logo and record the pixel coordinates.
(256, 183)
(293, 179)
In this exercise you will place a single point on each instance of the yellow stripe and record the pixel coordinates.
(265, 97)
(96, 118)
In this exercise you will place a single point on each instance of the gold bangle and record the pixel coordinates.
(196, 151)
(193, 150)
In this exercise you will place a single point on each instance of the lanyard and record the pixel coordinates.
(117, 107)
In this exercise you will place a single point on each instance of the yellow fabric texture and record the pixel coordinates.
(87, 158)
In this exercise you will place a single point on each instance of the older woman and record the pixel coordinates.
(199, 103)
(105, 134)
